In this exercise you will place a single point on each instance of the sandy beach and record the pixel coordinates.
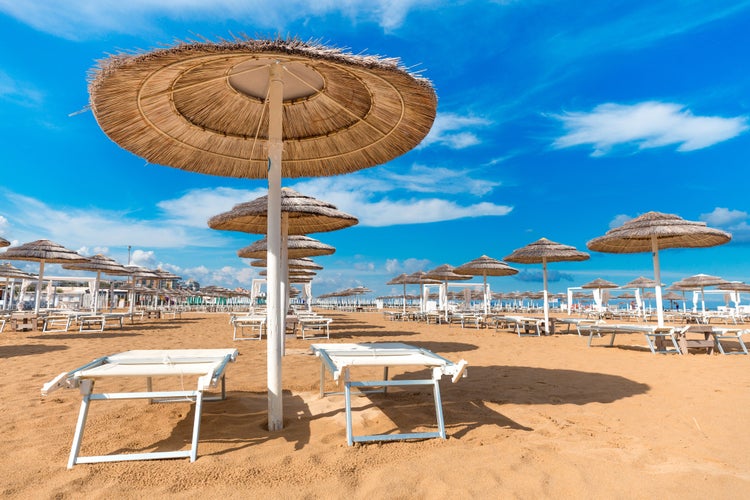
(535, 417)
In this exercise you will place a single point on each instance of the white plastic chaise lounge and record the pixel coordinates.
(207, 365)
(255, 323)
(314, 327)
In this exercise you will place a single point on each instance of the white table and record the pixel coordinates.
(207, 364)
(339, 358)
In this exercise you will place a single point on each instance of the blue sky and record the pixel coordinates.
(555, 119)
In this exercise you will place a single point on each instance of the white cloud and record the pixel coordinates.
(194, 208)
(723, 217)
(449, 130)
(647, 125)
(364, 196)
(17, 92)
(93, 227)
(619, 220)
(77, 19)
(144, 258)
(408, 266)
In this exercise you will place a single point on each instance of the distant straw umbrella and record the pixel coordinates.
(42, 251)
(446, 273)
(700, 282)
(485, 266)
(98, 264)
(653, 231)
(401, 279)
(541, 252)
(599, 284)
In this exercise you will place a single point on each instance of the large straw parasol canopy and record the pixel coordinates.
(203, 107)
(653, 231)
(305, 213)
(542, 251)
(298, 246)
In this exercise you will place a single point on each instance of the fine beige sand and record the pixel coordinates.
(535, 418)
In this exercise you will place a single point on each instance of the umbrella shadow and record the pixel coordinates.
(349, 334)
(83, 335)
(237, 422)
(12, 351)
(467, 407)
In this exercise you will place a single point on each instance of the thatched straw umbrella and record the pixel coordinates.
(445, 273)
(138, 272)
(541, 252)
(4, 242)
(736, 287)
(485, 266)
(99, 264)
(599, 284)
(9, 271)
(42, 251)
(401, 279)
(653, 231)
(298, 246)
(700, 282)
(217, 108)
(640, 283)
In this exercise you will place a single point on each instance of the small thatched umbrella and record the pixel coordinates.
(263, 108)
(541, 252)
(4, 242)
(700, 282)
(640, 283)
(420, 278)
(446, 273)
(401, 279)
(485, 266)
(99, 264)
(138, 272)
(653, 231)
(9, 271)
(298, 246)
(42, 251)
(599, 284)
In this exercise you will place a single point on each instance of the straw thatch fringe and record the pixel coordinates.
(45, 250)
(544, 249)
(186, 107)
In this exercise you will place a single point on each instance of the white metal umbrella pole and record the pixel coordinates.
(657, 278)
(284, 285)
(275, 147)
(546, 305)
(38, 293)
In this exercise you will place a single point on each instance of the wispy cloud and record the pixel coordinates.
(18, 92)
(455, 131)
(30, 219)
(646, 125)
(619, 220)
(376, 203)
(733, 221)
(195, 207)
(78, 19)
(396, 266)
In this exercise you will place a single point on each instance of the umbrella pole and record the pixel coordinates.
(39, 287)
(546, 305)
(404, 303)
(657, 278)
(484, 294)
(275, 147)
(284, 288)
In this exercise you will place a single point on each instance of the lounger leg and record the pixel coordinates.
(612, 340)
(86, 387)
(348, 402)
(196, 426)
(385, 377)
(322, 378)
(439, 410)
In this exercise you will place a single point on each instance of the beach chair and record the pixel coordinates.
(314, 327)
(657, 340)
(57, 323)
(255, 323)
(724, 334)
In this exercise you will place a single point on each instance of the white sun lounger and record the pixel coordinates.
(339, 358)
(207, 364)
